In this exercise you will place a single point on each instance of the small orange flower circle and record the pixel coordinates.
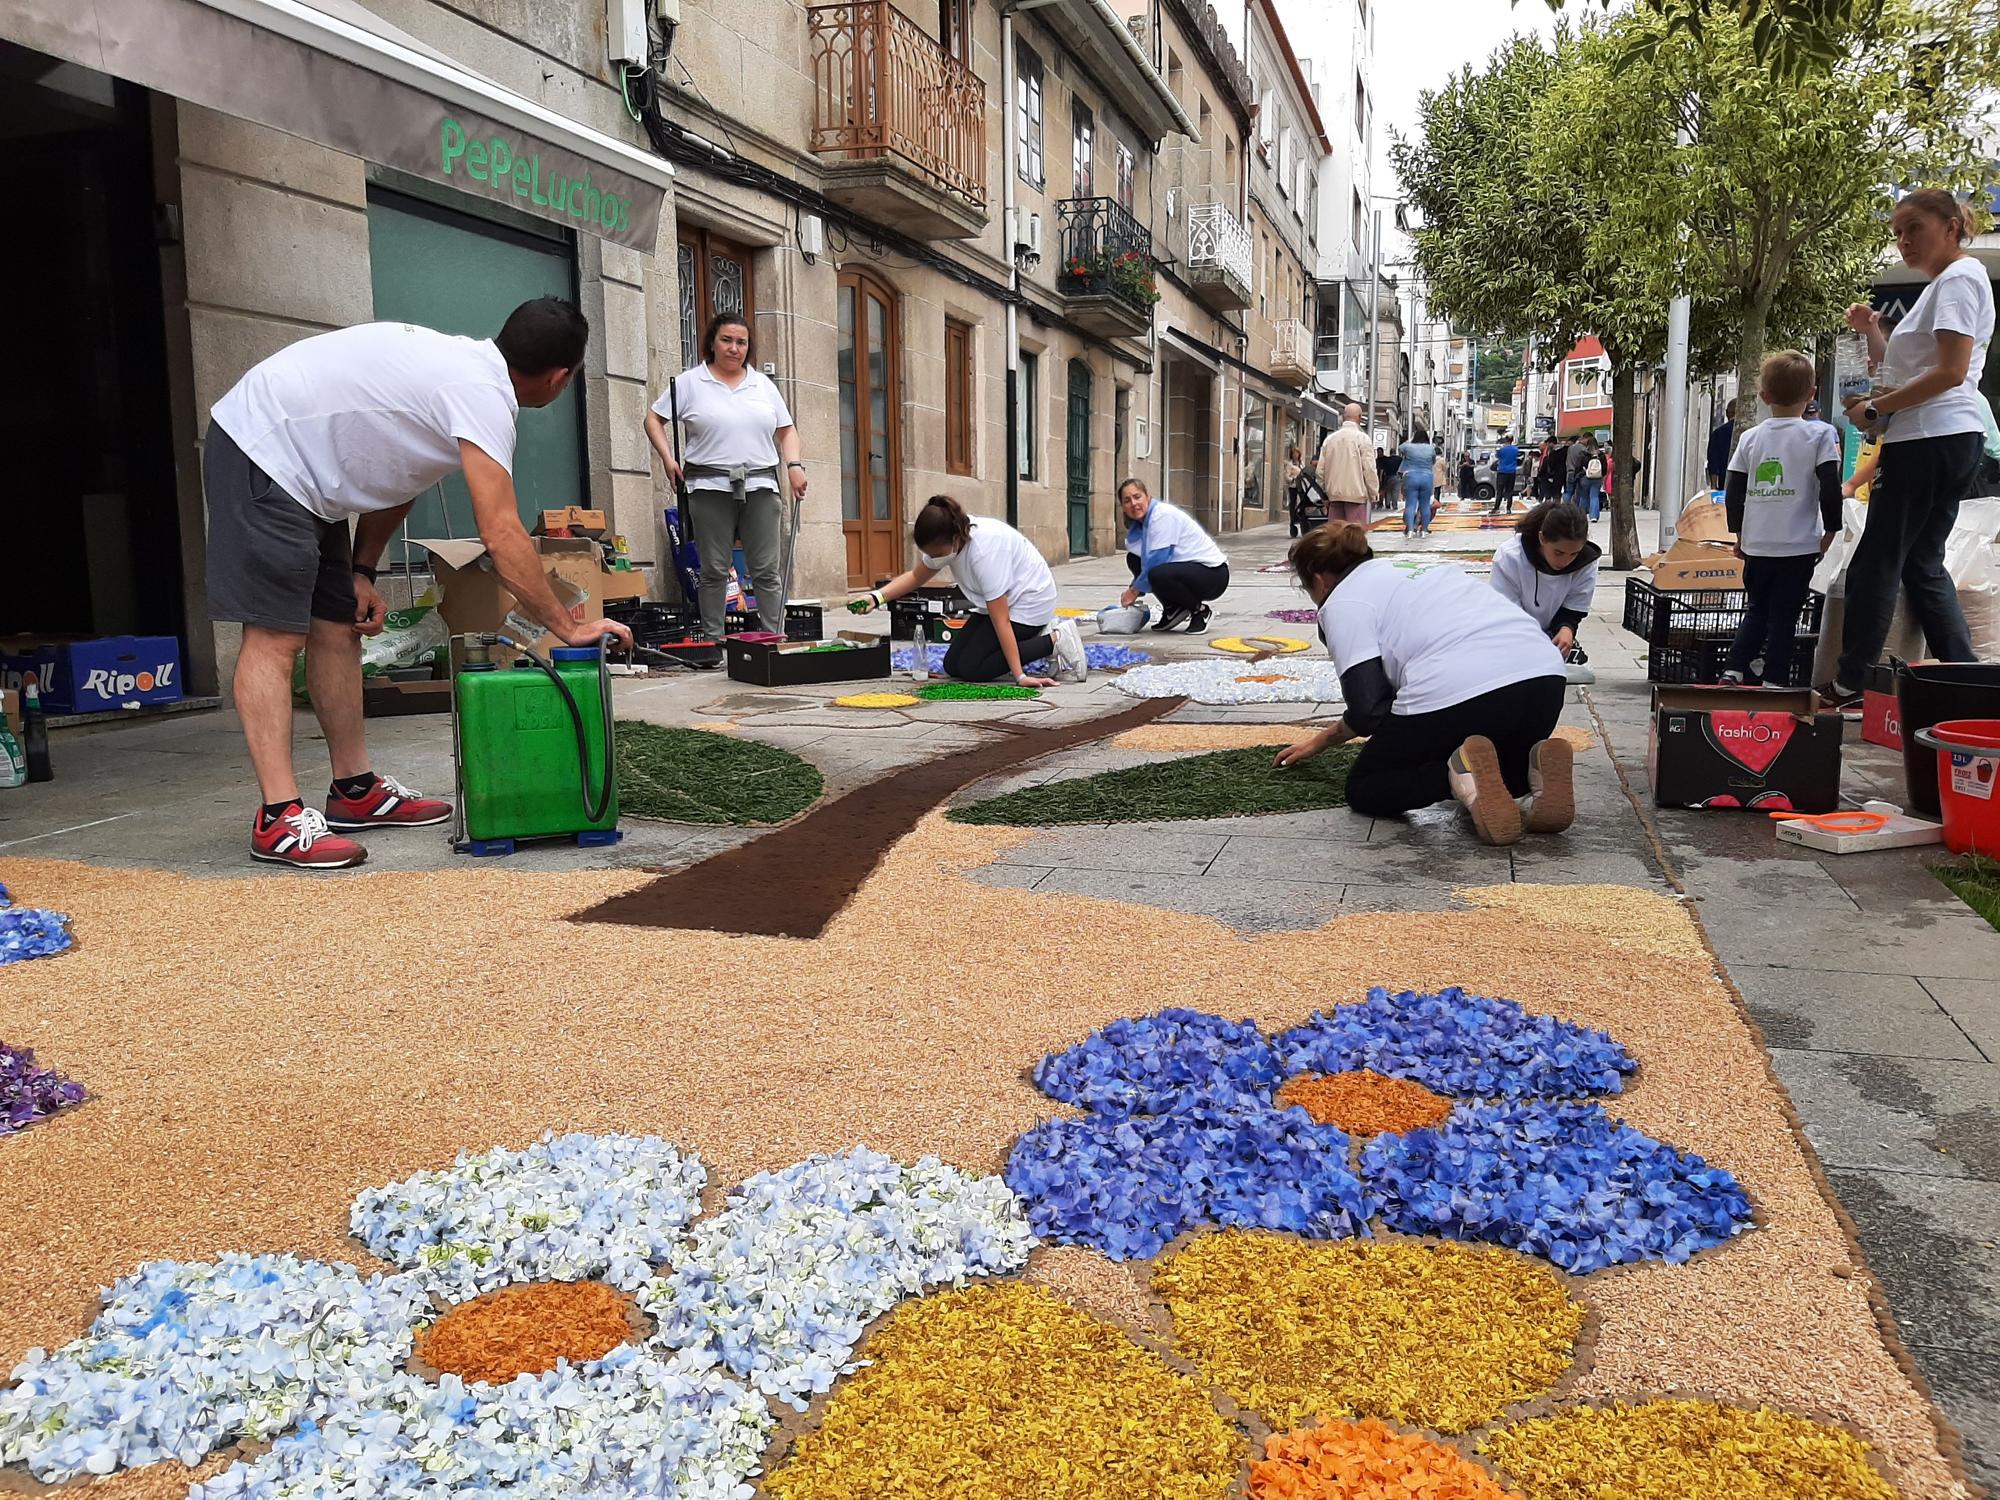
(1364, 1103)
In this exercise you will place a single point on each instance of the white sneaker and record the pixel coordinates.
(1072, 665)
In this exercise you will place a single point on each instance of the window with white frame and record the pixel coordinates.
(1128, 176)
(1029, 425)
(1082, 149)
(1028, 116)
(1586, 383)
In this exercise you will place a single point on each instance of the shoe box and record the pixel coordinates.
(1761, 749)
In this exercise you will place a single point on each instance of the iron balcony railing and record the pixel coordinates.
(1105, 252)
(1219, 248)
(881, 83)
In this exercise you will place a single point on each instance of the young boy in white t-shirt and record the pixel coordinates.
(1783, 497)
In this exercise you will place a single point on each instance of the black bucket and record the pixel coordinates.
(1927, 694)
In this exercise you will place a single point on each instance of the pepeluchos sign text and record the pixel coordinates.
(508, 170)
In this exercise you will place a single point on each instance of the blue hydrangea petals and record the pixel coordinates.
(1459, 1044)
(1565, 1182)
(1175, 1059)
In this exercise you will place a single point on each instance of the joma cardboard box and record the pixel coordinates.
(475, 600)
(1765, 749)
(1703, 555)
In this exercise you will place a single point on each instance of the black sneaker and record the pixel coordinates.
(1198, 619)
(1173, 619)
(1835, 698)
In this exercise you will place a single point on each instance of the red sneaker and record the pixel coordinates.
(388, 803)
(301, 839)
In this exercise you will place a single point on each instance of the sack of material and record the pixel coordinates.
(1122, 619)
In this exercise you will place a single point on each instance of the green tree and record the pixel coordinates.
(1500, 364)
(1792, 38)
(1763, 198)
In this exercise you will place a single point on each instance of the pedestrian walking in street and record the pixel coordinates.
(1348, 471)
(1783, 499)
(1468, 478)
(1555, 473)
(1506, 469)
(1585, 489)
(1013, 595)
(1549, 568)
(1419, 456)
(349, 427)
(741, 460)
(1440, 479)
(1456, 690)
(1719, 442)
(1933, 437)
(1171, 558)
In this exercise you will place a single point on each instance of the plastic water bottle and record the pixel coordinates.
(920, 659)
(13, 764)
(35, 735)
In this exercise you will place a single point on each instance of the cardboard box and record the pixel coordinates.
(787, 664)
(1881, 712)
(571, 521)
(474, 599)
(1765, 749)
(1703, 555)
(97, 676)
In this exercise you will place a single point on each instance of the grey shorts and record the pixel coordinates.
(271, 562)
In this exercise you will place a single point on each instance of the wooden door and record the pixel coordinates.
(871, 399)
(715, 278)
(1079, 458)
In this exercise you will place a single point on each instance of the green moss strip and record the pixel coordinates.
(1226, 784)
(1975, 880)
(693, 776)
(975, 692)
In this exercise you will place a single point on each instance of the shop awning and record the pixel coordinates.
(334, 73)
(1318, 412)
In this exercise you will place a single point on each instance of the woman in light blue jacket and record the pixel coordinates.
(1171, 558)
(1419, 478)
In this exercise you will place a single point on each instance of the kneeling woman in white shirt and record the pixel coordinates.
(1455, 689)
(1171, 557)
(1013, 595)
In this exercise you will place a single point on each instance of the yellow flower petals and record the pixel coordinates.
(1677, 1450)
(1438, 1336)
(1005, 1392)
(877, 700)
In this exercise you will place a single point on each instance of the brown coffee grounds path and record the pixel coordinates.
(791, 882)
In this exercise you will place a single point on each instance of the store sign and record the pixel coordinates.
(508, 167)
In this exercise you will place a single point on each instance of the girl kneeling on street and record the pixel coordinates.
(1012, 591)
(1549, 568)
(1455, 689)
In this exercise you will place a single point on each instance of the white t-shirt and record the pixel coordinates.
(1000, 563)
(366, 418)
(1443, 636)
(726, 428)
(1780, 458)
(1959, 301)
(1173, 535)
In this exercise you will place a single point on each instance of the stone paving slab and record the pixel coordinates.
(1935, 1245)
(1931, 942)
(1373, 863)
(1975, 1005)
(1249, 906)
(1098, 847)
(1899, 1114)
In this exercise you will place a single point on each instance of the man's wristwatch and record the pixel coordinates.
(795, 464)
(371, 574)
(1871, 414)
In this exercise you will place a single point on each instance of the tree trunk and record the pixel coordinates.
(1624, 470)
(1749, 367)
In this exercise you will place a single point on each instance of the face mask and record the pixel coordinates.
(937, 563)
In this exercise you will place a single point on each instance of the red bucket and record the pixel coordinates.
(1968, 772)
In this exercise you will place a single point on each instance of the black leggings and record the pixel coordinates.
(1777, 589)
(1184, 585)
(975, 654)
(1403, 764)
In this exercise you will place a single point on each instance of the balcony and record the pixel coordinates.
(1221, 259)
(1292, 353)
(1105, 275)
(900, 124)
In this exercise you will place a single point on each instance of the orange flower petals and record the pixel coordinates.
(1365, 1460)
(1364, 1103)
(524, 1330)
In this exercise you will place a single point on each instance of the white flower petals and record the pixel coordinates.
(1302, 680)
(569, 1207)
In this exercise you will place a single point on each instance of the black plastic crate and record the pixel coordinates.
(652, 622)
(1683, 617)
(932, 605)
(803, 622)
(1703, 660)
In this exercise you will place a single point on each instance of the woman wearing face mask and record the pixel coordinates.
(1172, 558)
(1549, 568)
(1456, 691)
(1927, 414)
(1013, 596)
(742, 457)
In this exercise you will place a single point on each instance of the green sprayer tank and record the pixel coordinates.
(520, 773)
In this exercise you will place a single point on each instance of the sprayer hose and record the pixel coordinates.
(593, 812)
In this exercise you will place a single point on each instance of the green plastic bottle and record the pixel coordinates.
(518, 753)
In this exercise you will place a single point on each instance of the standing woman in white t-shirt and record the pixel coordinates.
(1013, 595)
(741, 458)
(1927, 411)
(1454, 687)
